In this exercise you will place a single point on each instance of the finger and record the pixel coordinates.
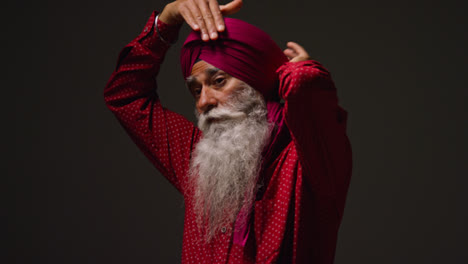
(289, 53)
(208, 18)
(218, 17)
(197, 15)
(296, 47)
(231, 7)
(187, 15)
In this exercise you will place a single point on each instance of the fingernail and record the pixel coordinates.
(220, 27)
(214, 35)
(205, 37)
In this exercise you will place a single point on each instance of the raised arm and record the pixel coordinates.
(317, 124)
(166, 138)
(131, 94)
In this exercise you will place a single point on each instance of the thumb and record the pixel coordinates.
(231, 8)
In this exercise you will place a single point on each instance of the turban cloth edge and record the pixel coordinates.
(243, 51)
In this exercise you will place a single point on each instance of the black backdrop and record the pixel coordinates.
(83, 193)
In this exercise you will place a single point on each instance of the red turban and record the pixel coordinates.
(243, 51)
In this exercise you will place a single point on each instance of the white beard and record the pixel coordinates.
(226, 161)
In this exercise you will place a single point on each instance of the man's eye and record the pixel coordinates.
(219, 80)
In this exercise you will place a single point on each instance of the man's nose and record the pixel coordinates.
(207, 100)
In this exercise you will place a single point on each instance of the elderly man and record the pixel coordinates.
(265, 174)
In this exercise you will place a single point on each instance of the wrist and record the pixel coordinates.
(170, 15)
(167, 32)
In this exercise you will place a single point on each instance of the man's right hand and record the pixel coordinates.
(205, 16)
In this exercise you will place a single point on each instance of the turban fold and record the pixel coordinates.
(243, 51)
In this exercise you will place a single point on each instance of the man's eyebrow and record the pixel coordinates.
(189, 81)
(212, 71)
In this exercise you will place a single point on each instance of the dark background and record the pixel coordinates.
(84, 193)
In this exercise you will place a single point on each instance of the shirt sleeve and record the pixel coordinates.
(318, 127)
(166, 138)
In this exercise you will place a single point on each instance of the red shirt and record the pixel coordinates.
(306, 172)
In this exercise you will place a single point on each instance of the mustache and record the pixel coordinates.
(218, 114)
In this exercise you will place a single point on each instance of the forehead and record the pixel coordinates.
(201, 67)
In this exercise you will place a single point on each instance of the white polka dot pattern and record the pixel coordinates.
(297, 218)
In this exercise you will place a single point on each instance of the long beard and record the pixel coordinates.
(226, 161)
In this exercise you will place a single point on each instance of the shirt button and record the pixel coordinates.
(223, 229)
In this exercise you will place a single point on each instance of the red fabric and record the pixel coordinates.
(306, 172)
(242, 50)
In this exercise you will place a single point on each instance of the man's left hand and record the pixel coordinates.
(296, 52)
